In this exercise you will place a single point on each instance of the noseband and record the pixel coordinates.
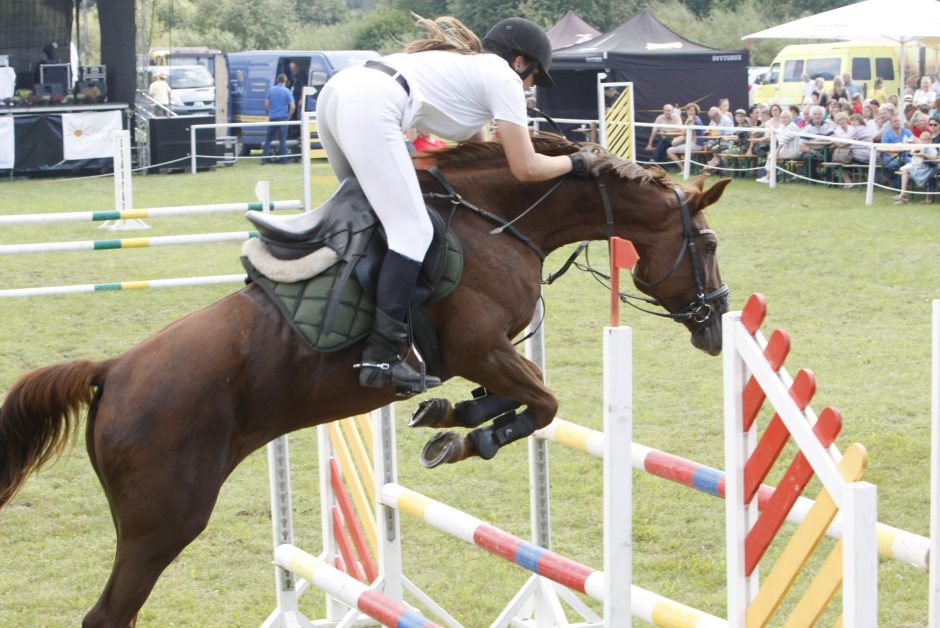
(700, 310)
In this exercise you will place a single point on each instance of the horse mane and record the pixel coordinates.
(481, 154)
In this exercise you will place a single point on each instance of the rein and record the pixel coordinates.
(456, 200)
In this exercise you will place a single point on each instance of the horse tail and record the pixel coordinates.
(40, 417)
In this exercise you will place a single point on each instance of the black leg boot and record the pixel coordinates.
(383, 359)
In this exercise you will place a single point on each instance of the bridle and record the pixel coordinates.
(699, 310)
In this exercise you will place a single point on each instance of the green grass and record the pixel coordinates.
(851, 283)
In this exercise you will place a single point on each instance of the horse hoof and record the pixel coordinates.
(443, 448)
(431, 413)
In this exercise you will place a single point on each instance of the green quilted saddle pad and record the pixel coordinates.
(304, 303)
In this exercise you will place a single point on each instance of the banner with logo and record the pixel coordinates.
(89, 135)
(7, 143)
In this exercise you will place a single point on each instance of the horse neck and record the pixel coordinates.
(573, 212)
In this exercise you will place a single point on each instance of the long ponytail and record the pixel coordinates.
(445, 33)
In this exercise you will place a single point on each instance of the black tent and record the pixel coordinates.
(663, 66)
(570, 30)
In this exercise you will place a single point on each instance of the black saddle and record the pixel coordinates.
(347, 224)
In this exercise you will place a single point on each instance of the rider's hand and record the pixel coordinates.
(585, 163)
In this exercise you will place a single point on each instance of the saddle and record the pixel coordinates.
(334, 308)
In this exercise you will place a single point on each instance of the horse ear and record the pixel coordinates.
(699, 181)
(712, 194)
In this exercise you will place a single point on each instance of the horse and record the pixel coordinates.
(169, 419)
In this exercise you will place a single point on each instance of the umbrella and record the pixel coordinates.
(901, 22)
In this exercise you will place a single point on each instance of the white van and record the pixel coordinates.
(193, 88)
(782, 84)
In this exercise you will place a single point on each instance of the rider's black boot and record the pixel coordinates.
(383, 358)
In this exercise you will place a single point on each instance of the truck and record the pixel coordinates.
(782, 83)
(252, 73)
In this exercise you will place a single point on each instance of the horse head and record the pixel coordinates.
(678, 265)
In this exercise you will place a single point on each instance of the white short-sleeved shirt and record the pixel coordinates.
(453, 95)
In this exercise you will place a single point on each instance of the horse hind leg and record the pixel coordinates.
(150, 537)
(161, 499)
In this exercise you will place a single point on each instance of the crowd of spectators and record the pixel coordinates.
(812, 132)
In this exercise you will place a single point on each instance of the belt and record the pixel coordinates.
(392, 72)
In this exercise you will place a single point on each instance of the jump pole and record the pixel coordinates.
(152, 212)
(934, 595)
(350, 591)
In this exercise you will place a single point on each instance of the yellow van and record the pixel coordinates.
(783, 83)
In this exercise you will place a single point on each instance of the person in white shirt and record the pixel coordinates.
(449, 84)
(925, 95)
(160, 92)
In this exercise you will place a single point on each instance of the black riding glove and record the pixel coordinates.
(585, 163)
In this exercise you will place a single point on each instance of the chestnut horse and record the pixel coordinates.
(171, 418)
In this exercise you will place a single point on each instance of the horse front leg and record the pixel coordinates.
(510, 381)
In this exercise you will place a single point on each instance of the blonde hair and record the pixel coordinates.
(445, 33)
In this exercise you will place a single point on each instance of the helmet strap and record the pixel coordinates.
(529, 69)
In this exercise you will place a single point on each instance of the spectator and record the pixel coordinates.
(870, 116)
(891, 161)
(839, 93)
(861, 132)
(878, 91)
(883, 120)
(679, 147)
(725, 106)
(841, 151)
(925, 94)
(857, 102)
(788, 142)
(933, 125)
(279, 103)
(908, 111)
(820, 96)
(809, 86)
(918, 168)
(659, 141)
(918, 123)
(717, 121)
(817, 123)
(755, 116)
(852, 88)
(161, 94)
(796, 114)
(803, 118)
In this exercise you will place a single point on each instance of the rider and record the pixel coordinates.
(450, 85)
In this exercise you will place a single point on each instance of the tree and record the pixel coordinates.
(385, 30)
(321, 11)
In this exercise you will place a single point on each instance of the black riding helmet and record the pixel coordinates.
(520, 36)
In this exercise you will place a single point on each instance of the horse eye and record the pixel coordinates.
(711, 248)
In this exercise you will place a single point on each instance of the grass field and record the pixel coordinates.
(852, 284)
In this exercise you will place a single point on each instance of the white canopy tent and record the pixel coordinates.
(903, 22)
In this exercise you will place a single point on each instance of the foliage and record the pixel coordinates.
(381, 24)
(385, 30)
(321, 11)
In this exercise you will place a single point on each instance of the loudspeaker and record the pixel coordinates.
(170, 147)
(95, 76)
(56, 73)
